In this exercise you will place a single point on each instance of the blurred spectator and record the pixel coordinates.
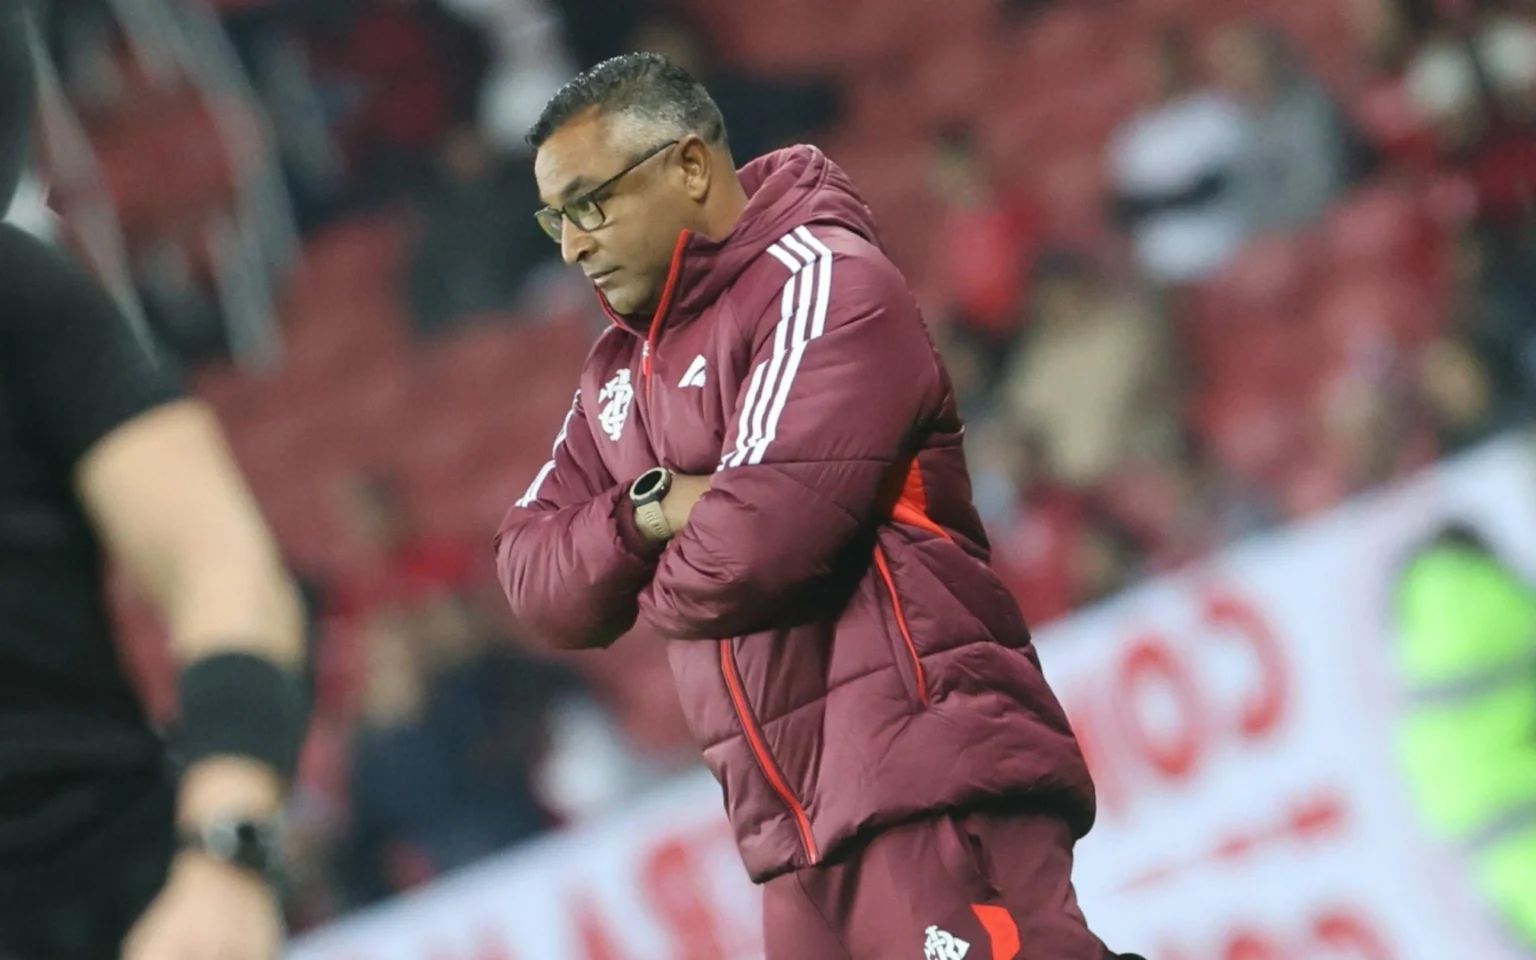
(1296, 158)
(530, 62)
(989, 241)
(1063, 551)
(391, 560)
(269, 41)
(598, 29)
(1373, 431)
(1480, 374)
(443, 764)
(1093, 380)
(762, 113)
(1387, 31)
(1175, 168)
(478, 241)
(1476, 87)
(396, 75)
(1459, 393)
(1385, 34)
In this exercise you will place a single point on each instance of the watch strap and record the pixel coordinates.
(652, 521)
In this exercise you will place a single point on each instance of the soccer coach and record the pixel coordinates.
(106, 851)
(763, 466)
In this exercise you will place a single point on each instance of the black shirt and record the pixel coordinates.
(72, 368)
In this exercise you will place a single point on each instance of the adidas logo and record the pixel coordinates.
(695, 375)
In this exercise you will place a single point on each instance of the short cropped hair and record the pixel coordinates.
(644, 86)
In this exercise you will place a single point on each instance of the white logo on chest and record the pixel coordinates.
(616, 396)
(695, 375)
(942, 945)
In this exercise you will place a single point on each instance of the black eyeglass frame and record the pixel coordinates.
(551, 218)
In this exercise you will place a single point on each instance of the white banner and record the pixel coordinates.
(1240, 721)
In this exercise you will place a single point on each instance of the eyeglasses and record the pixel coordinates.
(586, 211)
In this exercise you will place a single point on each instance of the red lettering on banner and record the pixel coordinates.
(1149, 664)
(1332, 934)
(490, 946)
(1305, 820)
(1341, 931)
(674, 889)
(1266, 708)
(1167, 951)
(596, 944)
(1318, 816)
(1160, 720)
(1106, 781)
(1247, 945)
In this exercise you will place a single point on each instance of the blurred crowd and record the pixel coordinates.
(1198, 269)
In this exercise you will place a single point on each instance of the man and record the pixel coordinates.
(103, 854)
(763, 466)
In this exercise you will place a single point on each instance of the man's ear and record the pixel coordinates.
(698, 163)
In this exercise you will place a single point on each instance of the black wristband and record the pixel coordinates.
(240, 704)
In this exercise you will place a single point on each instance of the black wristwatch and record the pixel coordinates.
(250, 844)
(645, 495)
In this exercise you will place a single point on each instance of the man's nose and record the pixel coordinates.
(575, 243)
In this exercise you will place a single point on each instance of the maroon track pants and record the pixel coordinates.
(964, 886)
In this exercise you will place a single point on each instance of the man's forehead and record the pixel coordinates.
(576, 158)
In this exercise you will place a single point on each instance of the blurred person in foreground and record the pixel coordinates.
(102, 853)
(762, 466)
(1467, 656)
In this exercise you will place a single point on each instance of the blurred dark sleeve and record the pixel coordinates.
(79, 366)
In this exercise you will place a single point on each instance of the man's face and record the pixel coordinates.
(628, 255)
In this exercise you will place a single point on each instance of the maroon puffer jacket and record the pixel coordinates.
(844, 654)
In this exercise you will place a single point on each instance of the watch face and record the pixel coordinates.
(648, 484)
(249, 845)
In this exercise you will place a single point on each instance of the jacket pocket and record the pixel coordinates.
(757, 743)
(907, 659)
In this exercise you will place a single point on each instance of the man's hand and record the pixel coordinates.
(679, 501)
(208, 911)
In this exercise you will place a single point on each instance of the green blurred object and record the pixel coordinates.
(1468, 658)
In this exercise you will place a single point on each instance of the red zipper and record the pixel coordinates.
(901, 624)
(760, 752)
(665, 302)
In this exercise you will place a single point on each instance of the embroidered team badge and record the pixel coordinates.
(940, 945)
(616, 396)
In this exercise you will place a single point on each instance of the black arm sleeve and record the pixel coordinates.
(75, 366)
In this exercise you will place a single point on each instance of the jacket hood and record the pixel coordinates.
(796, 186)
